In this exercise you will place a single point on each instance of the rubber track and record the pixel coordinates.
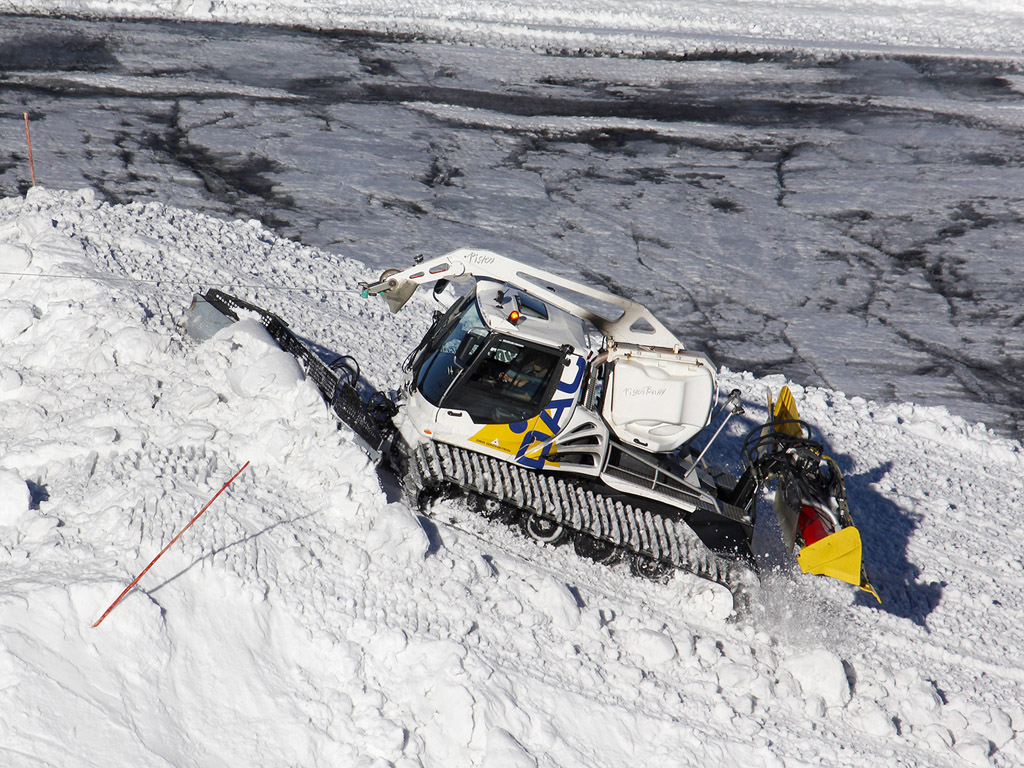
(437, 466)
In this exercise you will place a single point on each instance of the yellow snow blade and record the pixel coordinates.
(838, 556)
(785, 410)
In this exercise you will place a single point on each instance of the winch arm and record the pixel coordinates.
(634, 323)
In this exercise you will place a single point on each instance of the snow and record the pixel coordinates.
(16, 496)
(309, 618)
(820, 673)
(993, 28)
(693, 183)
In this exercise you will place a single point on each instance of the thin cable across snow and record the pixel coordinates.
(185, 283)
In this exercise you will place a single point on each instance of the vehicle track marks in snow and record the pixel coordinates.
(311, 621)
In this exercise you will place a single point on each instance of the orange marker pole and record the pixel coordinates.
(129, 587)
(28, 138)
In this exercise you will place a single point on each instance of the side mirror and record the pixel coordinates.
(469, 346)
(442, 298)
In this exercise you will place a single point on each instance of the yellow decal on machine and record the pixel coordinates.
(498, 436)
(532, 441)
(529, 441)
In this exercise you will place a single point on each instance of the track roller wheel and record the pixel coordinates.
(492, 509)
(647, 568)
(594, 549)
(544, 530)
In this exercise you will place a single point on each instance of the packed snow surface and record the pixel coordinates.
(310, 619)
(961, 27)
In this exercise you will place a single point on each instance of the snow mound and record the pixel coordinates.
(654, 648)
(396, 533)
(15, 319)
(820, 673)
(258, 367)
(556, 600)
(15, 497)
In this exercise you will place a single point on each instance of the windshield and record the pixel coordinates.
(493, 378)
(437, 367)
(508, 382)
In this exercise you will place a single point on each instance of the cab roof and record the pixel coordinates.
(538, 321)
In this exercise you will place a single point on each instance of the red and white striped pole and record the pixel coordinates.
(136, 581)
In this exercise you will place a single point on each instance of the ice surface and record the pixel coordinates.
(847, 220)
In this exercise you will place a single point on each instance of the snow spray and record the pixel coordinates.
(144, 571)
